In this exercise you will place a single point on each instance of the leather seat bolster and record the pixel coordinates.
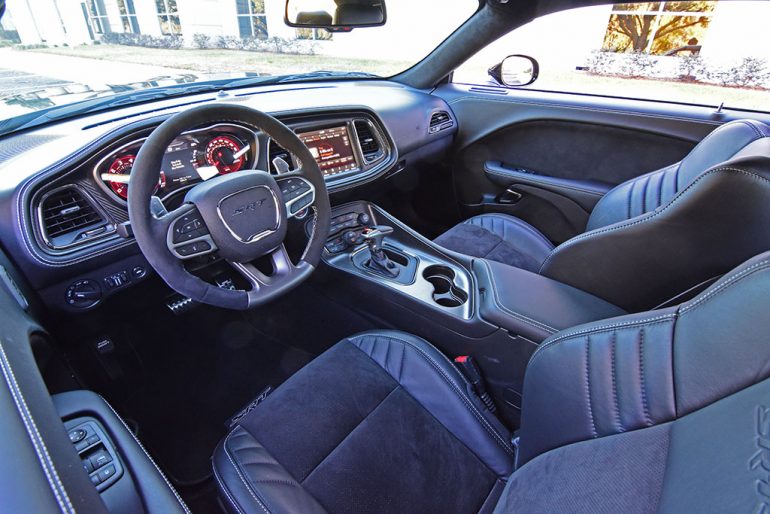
(641, 370)
(646, 193)
(436, 384)
(251, 480)
(609, 377)
(680, 244)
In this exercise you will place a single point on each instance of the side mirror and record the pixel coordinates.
(515, 71)
(335, 15)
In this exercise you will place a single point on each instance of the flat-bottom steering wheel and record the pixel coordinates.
(241, 216)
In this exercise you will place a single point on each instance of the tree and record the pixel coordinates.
(653, 29)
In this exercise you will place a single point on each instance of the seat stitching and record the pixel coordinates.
(724, 284)
(661, 184)
(249, 488)
(642, 218)
(614, 374)
(41, 451)
(597, 330)
(594, 433)
(643, 380)
(644, 193)
(459, 393)
(520, 317)
(224, 489)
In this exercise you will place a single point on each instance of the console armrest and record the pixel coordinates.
(141, 486)
(531, 305)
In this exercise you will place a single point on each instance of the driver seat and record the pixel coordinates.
(663, 411)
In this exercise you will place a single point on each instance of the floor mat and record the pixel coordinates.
(182, 377)
(194, 387)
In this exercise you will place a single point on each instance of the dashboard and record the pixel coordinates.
(63, 188)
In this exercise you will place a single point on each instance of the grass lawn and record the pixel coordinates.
(218, 61)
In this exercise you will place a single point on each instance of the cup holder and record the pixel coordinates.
(445, 292)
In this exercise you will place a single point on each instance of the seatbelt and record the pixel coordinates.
(468, 367)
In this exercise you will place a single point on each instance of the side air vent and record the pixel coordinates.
(276, 151)
(68, 218)
(440, 120)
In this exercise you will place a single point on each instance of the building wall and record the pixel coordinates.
(558, 40)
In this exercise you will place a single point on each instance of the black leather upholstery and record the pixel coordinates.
(382, 422)
(657, 235)
(531, 305)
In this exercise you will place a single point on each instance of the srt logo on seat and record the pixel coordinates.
(251, 206)
(761, 458)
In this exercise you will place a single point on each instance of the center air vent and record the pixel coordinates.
(370, 146)
(67, 218)
(440, 120)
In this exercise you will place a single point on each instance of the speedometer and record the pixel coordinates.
(227, 153)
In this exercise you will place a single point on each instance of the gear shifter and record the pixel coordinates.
(374, 236)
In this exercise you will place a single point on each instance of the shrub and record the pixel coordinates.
(691, 67)
(122, 38)
(750, 72)
(201, 41)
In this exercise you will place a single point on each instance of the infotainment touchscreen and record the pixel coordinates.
(332, 149)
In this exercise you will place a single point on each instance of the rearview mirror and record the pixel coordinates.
(335, 15)
(515, 71)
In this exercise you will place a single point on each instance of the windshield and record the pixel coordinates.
(57, 53)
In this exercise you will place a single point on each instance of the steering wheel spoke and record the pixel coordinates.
(285, 274)
(298, 192)
(187, 235)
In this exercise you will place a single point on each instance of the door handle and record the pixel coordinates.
(510, 196)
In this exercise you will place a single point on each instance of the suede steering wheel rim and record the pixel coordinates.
(241, 216)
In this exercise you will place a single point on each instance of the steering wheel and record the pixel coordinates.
(242, 216)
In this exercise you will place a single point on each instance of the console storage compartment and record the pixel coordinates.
(531, 305)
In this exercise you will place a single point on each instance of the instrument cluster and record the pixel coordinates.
(191, 158)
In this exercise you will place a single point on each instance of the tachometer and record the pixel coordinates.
(118, 174)
(227, 153)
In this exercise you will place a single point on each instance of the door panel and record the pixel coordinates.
(549, 157)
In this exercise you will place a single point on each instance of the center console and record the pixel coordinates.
(464, 305)
(367, 242)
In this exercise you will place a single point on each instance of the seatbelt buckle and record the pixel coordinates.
(468, 367)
